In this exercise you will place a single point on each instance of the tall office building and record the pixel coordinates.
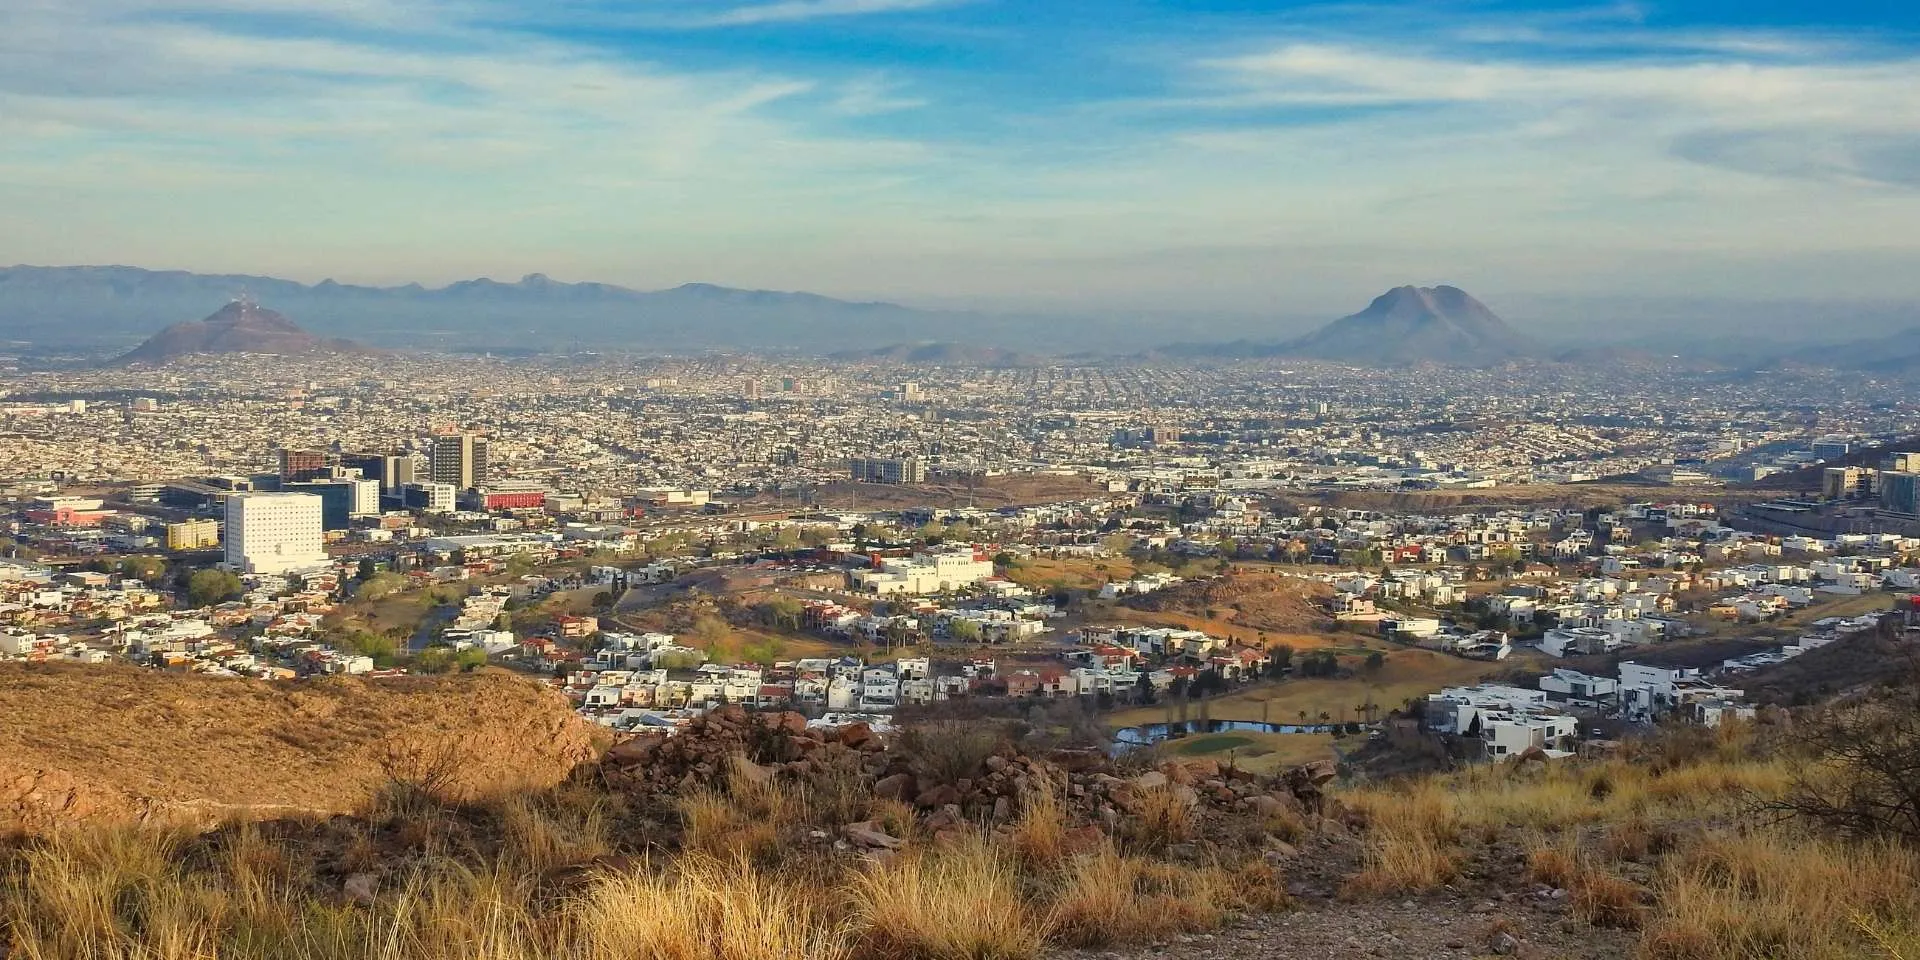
(1900, 492)
(274, 533)
(458, 459)
(301, 465)
(391, 470)
(342, 499)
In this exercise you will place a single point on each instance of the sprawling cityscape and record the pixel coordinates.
(234, 513)
(959, 480)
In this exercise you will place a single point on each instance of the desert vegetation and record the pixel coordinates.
(745, 865)
(1774, 840)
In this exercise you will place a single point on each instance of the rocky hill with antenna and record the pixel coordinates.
(1414, 324)
(1405, 325)
(241, 326)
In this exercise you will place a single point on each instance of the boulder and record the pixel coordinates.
(360, 888)
(748, 771)
(896, 787)
(855, 735)
(937, 796)
(870, 835)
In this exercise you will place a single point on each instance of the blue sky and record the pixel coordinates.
(1176, 155)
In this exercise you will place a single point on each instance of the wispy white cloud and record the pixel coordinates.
(788, 11)
(431, 139)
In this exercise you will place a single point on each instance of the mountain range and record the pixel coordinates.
(239, 327)
(108, 310)
(106, 307)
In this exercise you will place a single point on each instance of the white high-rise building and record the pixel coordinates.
(366, 498)
(274, 532)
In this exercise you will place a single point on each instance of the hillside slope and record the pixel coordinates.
(101, 743)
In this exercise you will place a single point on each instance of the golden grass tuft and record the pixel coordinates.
(1401, 860)
(1773, 893)
(1040, 838)
(1162, 817)
(1116, 899)
(960, 902)
(706, 909)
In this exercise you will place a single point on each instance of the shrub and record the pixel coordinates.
(950, 751)
(1867, 785)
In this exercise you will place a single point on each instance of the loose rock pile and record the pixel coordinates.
(729, 744)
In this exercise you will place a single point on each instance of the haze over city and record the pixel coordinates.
(1196, 158)
(959, 480)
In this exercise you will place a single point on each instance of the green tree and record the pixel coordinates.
(1375, 661)
(679, 660)
(708, 632)
(434, 660)
(208, 587)
(1279, 658)
(150, 570)
(380, 586)
(367, 569)
(381, 648)
(784, 612)
(603, 601)
(964, 631)
(470, 659)
(1143, 689)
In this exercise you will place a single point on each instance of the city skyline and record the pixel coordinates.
(1206, 156)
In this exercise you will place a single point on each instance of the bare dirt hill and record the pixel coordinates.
(114, 743)
(1250, 600)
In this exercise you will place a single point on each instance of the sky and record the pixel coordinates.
(1153, 155)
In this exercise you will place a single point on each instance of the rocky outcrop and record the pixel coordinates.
(1095, 789)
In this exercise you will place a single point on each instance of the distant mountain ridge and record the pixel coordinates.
(943, 354)
(118, 305)
(239, 327)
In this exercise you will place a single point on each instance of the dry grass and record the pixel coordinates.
(1040, 838)
(531, 878)
(1117, 899)
(1779, 893)
(1162, 817)
(707, 909)
(1403, 860)
(962, 903)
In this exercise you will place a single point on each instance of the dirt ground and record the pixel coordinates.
(988, 493)
(1438, 927)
